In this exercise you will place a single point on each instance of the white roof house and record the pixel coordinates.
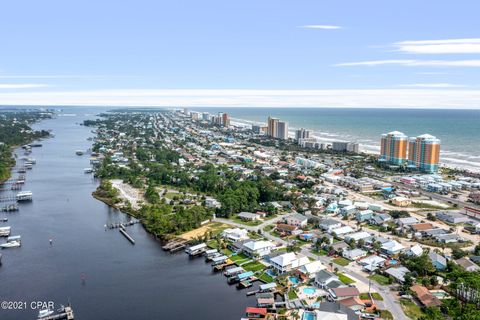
(260, 248)
(342, 230)
(416, 250)
(392, 247)
(288, 261)
(235, 234)
(354, 254)
(311, 269)
(358, 235)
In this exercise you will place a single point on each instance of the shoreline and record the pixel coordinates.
(454, 165)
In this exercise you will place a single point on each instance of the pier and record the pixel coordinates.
(129, 238)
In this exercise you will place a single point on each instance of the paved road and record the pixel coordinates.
(390, 303)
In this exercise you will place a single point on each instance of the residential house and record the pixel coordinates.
(256, 313)
(364, 215)
(286, 229)
(372, 263)
(425, 297)
(415, 250)
(354, 254)
(467, 264)
(343, 293)
(392, 247)
(438, 261)
(342, 231)
(404, 222)
(288, 261)
(398, 273)
(329, 224)
(298, 220)
(401, 201)
(235, 234)
(256, 248)
(248, 216)
(324, 277)
(361, 235)
(309, 270)
(452, 217)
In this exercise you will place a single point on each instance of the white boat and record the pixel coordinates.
(44, 313)
(12, 244)
(79, 152)
(24, 196)
(5, 231)
(87, 170)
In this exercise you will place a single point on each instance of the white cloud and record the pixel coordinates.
(414, 63)
(353, 98)
(321, 26)
(447, 46)
(21, 85)
(433, 85)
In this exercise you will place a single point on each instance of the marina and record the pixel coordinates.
(97, 260)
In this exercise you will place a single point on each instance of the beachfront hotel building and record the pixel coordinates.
(424, 153)
(302, 134)
(393, 148)
(277, 129)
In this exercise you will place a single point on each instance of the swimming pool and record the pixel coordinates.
(293, 280)
(315, 304)
(439, 294)
(309, 290)
(308, 316)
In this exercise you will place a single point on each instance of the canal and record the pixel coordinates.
(98, 271)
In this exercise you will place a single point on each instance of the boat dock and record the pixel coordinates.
(122, 224)
(196, 249)
(66, 314)
(129, 238)
(175, 245)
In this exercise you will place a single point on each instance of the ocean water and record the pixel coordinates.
(459, 130)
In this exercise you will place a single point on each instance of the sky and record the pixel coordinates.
(248, 53)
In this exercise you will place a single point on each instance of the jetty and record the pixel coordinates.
(126, 235)
(122, 224)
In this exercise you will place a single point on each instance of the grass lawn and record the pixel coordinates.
(380, 279)
(345, 279)
(386, 315)
(320, 252)
(253, 266)
(266, 278)
(341, 261)
(239, 257)
(247, 223)
(375, 296)
(292, 295)
(411, 309)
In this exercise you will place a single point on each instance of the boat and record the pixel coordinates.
(88, 170)
(12, 244)
(79, 152)
(24, 196)
(45, 313)
(4, 220)
(14, 238)
(5, 231)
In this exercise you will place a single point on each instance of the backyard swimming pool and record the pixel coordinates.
(293, 280)
(308, 316)
(309, 290)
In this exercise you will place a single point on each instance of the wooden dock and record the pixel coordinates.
(175, 244)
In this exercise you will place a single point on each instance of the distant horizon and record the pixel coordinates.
(6, 106)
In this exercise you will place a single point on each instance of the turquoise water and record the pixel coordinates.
(293, 280)
(309, 290)
(440, 294)
(459, 130)
(308, 316)
(315, 305)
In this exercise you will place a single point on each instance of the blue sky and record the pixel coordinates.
(245, 53)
